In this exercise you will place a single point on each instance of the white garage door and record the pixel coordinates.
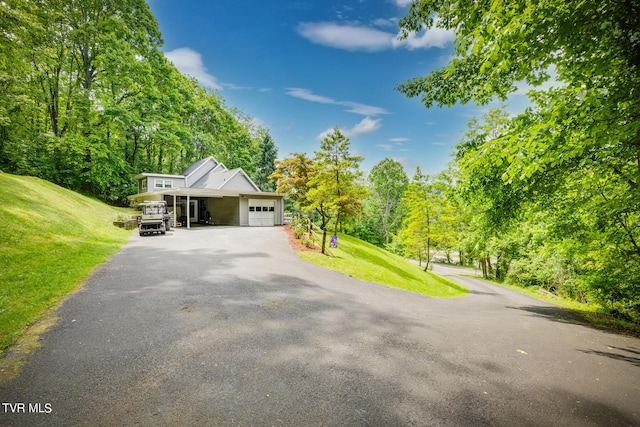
(262, 212)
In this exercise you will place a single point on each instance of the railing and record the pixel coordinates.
(312, 235)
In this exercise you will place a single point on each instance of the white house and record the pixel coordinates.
(213, 194)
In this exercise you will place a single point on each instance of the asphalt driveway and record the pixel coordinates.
(227, 326)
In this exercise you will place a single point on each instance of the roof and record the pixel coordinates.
(214, 178)
(160, 175)
(195, 166)
(218, 179)
(205, 192)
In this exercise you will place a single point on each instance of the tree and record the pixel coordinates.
(334, 190)
(429, 219)
(292, 177)
(266, 163)
(576, 152)
(87, 99)
(387, 184)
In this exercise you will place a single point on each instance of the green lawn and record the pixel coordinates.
(50, 240)
(367, 262)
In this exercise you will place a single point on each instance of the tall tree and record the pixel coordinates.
(334, 188)
(387, 184)
(424, 206)
(266, 164)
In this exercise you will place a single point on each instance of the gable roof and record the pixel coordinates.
(193, 167)
(218, 179)
(210, 174)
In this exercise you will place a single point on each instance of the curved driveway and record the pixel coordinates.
(227, 326)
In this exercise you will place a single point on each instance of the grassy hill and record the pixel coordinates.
(50, 240)
(367, 262)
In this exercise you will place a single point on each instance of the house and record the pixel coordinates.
(207, 192)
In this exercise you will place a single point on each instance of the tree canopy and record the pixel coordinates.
(334, 188)
(387, 184)
(574, 155)
(87, 100)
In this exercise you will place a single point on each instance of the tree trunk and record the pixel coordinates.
(324, 239)
(428, 256)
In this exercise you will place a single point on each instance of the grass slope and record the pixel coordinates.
(367, 262)
(50, 240)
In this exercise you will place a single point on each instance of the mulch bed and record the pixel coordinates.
(295, 244)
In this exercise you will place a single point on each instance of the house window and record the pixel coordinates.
(143, 185)
(163, 183)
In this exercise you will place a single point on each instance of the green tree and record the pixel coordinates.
(387, 184)
(266, 163)
(292, 176)
(87, 99)
(418, 232)
(334, 188)
(430, 218)
(576, 152)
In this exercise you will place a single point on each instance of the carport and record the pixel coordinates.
(220, 207)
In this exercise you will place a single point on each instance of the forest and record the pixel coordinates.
(549, 197)
(87, 100)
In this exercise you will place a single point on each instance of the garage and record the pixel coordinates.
(262, 212)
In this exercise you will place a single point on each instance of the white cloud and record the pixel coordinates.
(392, 22)
(398, 145)
(348, 37)
(189, 62)
(366, 126)
(362, 109)
(360, 38)
(435, 37)
(402, 3)
(307, 95)
(353, 107)
(232, 86)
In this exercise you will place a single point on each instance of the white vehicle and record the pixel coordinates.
(154, 219)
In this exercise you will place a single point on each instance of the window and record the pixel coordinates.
(163, 183)
(258, 208)
(252, 209)
(143, 185)
(271, 209)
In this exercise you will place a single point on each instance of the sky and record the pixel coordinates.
(302, 67)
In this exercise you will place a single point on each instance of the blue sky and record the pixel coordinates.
(299, 68)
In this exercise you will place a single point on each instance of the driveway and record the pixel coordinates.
(228, 327)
